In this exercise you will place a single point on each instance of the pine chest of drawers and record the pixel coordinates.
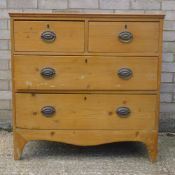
(86, 79)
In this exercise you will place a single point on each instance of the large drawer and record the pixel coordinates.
(49, 36)
(135, 37)
(85, 73)
(85, 111)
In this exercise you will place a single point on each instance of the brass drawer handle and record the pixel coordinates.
(123, 112)
(125, 37)
(47, 72)
(48, 111)
(125, 73)
(48, 36)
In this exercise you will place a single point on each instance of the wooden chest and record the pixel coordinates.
(86, 79)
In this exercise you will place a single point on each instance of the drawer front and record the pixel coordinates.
(85, 73)
(49, 36)
(124, 37)
(85, 111)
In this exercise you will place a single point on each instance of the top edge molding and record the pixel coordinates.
(87, 15)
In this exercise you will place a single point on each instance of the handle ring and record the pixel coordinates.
(125, 73)
(48, 72)
(123, 112)
(48, 111)
(48, 36)
(125, 37)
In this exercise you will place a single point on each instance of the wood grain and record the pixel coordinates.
(103, 37)
(85, 73)
(86, 114)
(69, 36)
(100, 16)
(88, 138)
(85, 111)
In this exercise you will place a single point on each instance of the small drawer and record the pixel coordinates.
(85, 73)
(124, 37)
(49, 36)
(85, 111)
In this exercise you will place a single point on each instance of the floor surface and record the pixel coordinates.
(51, 158)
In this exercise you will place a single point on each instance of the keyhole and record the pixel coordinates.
(33, 94)
(86, 61)
(126, 26)
(85, 98)
(48, 26)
